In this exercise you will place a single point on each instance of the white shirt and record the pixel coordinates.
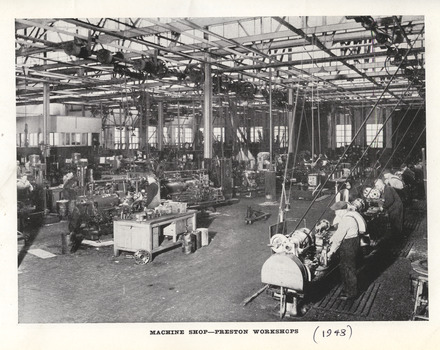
(347, 228)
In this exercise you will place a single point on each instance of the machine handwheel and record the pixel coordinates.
(142, 257)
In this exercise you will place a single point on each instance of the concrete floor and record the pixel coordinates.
(93, 286)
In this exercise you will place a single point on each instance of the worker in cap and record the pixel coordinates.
(345, 240)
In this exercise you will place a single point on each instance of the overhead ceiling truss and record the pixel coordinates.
(343, 58)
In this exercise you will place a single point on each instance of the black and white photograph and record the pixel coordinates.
(237, 179)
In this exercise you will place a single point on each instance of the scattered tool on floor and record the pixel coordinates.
(253, 215)
(253, 296)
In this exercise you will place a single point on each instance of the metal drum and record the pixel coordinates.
(198, 236)
(205, 236)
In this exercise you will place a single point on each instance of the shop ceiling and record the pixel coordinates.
(110, 62)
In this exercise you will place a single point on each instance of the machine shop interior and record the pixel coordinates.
(201, 169)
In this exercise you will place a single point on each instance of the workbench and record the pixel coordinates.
(132, 235)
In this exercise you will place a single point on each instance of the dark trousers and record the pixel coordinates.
(348, 253)
(396, 220)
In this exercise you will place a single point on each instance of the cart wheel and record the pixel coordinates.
(142, 257)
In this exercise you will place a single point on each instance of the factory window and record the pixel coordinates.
(17, 137)
(178, 135)
(54, 139)
(23, 140)
(166, 135)
(343, 135)
(76, 139)
(188, 135)
(134, 138)
(281, 132)
(84, 139)
(40, 138)
(219, 133)
(67, 139)
(152, 135)
(119, 138)
(372, 131)
(256, 133)
(33, 139)
(62, 139)
(185, 135)
(240, 134)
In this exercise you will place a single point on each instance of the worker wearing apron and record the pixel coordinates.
(346, 241)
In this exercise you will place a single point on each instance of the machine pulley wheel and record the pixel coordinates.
(371, 193)
(374, 194)
(277, 242)
(142, 257)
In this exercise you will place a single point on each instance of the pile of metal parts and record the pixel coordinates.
(190, 186)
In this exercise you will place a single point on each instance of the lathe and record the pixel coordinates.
(299, 258)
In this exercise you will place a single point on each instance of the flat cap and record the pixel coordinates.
(339, 205)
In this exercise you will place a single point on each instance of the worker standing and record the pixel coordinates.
(393, 204)
(346, 241)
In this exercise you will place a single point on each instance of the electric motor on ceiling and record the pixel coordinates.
(279, 97)
(157, 68)
(104, 56)
(194, 74)
(78, 48)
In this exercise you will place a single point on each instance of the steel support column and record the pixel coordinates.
(147, 123)
(207, 113)
(142, 132)
(388, 128)
(179, 131)
(46, 110)
(194, 127)
(159, 130)
(270, 119)
(290, 119)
